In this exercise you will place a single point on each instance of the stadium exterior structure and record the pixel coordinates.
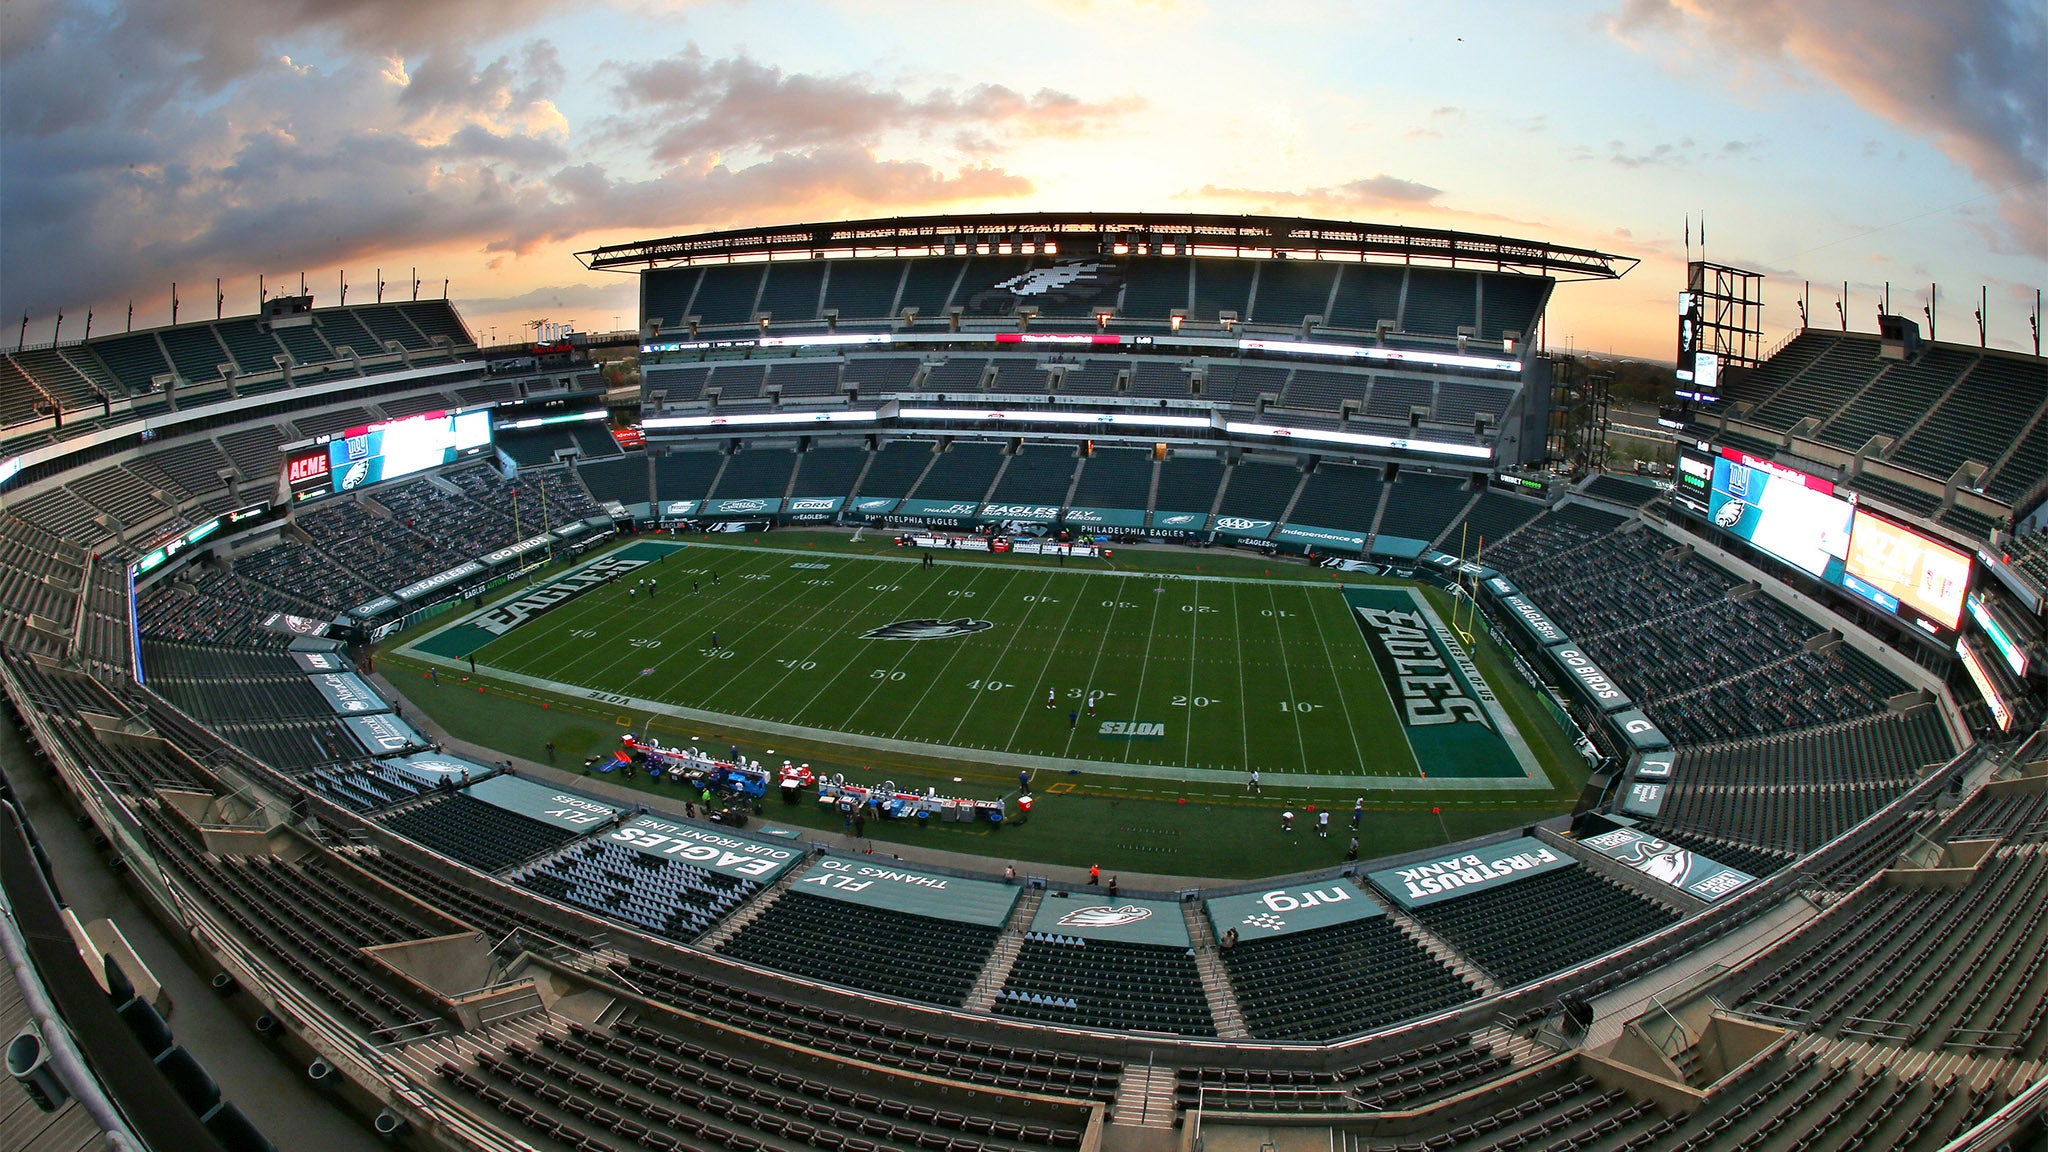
(291, 890)
(1145, 327)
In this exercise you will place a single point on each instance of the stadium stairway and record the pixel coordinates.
(1446, 953)
(1931, 1067)
(744, 915)
(1223, 1006)
(1003, 957)
(1144, 1097)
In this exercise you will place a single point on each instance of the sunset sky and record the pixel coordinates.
(485, 141)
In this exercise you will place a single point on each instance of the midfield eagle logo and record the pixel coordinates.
(927, 629)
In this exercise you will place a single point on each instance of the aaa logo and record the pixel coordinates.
(927, 629)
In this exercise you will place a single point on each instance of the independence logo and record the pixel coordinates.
(927, 629)
(1104, 916)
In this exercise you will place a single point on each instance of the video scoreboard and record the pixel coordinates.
(1804, 521)
(386, 450)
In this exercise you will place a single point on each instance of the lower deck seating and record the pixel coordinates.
(894, 953)
(1931, 968)
(1544, 923)
(1106, 984)
(1330, 982)
(481, 835)
(1405, 1079)
(669, 898)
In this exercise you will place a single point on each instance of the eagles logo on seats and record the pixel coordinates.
(1105, 916)
(927, 629)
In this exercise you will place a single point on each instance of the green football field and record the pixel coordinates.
(1191, 677)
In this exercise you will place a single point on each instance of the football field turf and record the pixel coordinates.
(1192, 677)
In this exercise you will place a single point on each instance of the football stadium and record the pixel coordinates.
(992, 683)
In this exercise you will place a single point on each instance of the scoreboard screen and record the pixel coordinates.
(1794, 517)
(1693, 484)
(385, 451)
(1905, 573)
(395, 448)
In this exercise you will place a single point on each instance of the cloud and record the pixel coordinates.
(710, 106)
(219, 152)
(1964, 74)
(1381, 191)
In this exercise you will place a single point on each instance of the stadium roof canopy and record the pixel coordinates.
(1103, 233)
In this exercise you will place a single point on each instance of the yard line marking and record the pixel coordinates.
(1194, 645)
(1145, 665)
(1087, 578)
(619, 616)
(1287, 670)
(1244, 720)
(857, 584)
(912, 711)
(1101, 643)
(1016, 630)
(1330, 658)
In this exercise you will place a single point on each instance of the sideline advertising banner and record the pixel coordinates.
(899, 889)
(322, 662)
(384, 734)
(1533, 621)
(1105, 518)
(1320, 537)
(540, 802)
(1593, 682)
(721, 852)
(1639, 730)
(1481, 869)
(347, 693)
(1097, 916)
(1283, 911)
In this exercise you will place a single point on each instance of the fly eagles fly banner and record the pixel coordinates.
(1454, 724)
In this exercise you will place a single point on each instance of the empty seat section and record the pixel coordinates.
(1334, 496)
(1420, 506)
(874, 949)
(1291, 291)
(1115, 478)
(685, 475)
(1037, 475)
(896, 467)
(481, 835)
(791, 293)
(1259, 490)
(762, 473)
(828, 472)
(1336, 981)
(1106, 984)
(623, 479)
(1543, 923)
(963, 472)
(727, 294)
(864, 289)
